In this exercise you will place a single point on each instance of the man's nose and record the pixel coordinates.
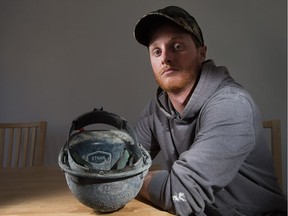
(167, 57)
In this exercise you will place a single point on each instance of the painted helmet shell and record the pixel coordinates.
(104, 169)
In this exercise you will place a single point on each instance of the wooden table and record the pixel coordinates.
(43, 191)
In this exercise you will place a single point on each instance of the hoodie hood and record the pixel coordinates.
(211, 78)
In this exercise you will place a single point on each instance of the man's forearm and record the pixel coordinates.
(144, 192)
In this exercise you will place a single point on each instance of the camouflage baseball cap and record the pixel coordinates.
(172, 13)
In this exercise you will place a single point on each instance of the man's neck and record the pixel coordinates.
(180, 99)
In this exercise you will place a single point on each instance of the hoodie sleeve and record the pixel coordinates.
(145, 133)
(225, 138)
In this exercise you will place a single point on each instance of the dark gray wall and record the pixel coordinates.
(60, 58)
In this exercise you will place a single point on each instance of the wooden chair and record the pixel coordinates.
(22, 144)
(275, 126)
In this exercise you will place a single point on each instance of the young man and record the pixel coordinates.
(207, 126)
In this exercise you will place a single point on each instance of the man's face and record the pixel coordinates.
(174, 57)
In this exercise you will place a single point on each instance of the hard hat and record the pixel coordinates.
(104, 169)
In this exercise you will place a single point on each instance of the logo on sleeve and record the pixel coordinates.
(179, 198)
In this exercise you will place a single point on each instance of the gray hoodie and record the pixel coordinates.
(217, 157)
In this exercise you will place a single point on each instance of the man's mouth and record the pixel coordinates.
(169, 70)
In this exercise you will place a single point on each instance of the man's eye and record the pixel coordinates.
(156, 52)
(178, 46)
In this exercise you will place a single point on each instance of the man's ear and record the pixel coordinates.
(202, 53)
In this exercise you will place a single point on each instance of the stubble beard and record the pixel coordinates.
(180, 83)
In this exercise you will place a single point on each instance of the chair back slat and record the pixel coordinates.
(10, 145)
(41, 148)
(18, 146)
(275, 129)
(33, 141)
(25, 145)
(2, 138)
